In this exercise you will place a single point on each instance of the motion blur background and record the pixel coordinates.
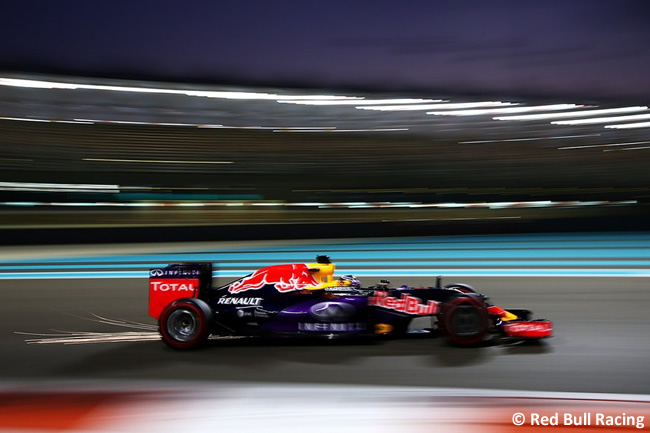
(435, 117)
(106, 154)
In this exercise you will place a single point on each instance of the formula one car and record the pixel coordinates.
(306, 300)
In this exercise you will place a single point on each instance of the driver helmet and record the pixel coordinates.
(350, 281)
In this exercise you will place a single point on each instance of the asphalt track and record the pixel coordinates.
(602, 343)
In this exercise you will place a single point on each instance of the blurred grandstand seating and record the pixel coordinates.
(180, 159)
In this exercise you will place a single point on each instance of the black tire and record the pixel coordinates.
(184, 324)
(464, 321)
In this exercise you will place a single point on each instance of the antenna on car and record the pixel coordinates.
(439, 281)
(323, 259)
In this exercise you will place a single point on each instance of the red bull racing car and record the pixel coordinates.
(306, 300)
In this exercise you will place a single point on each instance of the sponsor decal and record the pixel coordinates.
(406, 304)
(251, 311)
(346, 289)
(332, 327)
(285, 278)
(261, 313)
(383, 328)
(174, 273)
(528, 329)
(162, 292)
(239, 301)
(173, 286)
(332, 311)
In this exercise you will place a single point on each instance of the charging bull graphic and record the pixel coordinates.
(285, 278)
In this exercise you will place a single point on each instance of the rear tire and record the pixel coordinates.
(184, 324)
(464, 321)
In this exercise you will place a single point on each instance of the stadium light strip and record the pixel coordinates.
(508, 140)
(629, 125)
(333, 206)
(155, 161)
(203, 126)
(628, 148)
(23, 119)
(38, 84)
(585, 113)
(591, 146)
(602, 120)
(442, 106)
(58, 187)
(479, 112)
(341, 130)
(27, 119)
(364, 102)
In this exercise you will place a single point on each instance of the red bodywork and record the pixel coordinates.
(164, 291)
(531, 329)
(497, 311)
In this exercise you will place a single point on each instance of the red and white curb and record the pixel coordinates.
(105, 407)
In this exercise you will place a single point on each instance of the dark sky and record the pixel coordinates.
(592, 48)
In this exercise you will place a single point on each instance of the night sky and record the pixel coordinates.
(556, 48)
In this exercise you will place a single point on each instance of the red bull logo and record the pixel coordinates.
(406, 304)
(285, 278)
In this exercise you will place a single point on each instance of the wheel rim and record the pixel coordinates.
(466, 321)
(182, 325)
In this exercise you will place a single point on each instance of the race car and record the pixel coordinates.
(307, 300)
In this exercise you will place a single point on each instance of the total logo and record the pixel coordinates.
(159, 286)
(406, 304)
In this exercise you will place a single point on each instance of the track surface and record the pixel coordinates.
(602, 341)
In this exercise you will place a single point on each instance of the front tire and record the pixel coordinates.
(184, 324)
(464, 321)
(463, 288)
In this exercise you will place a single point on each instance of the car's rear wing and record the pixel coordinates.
(176, 281)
